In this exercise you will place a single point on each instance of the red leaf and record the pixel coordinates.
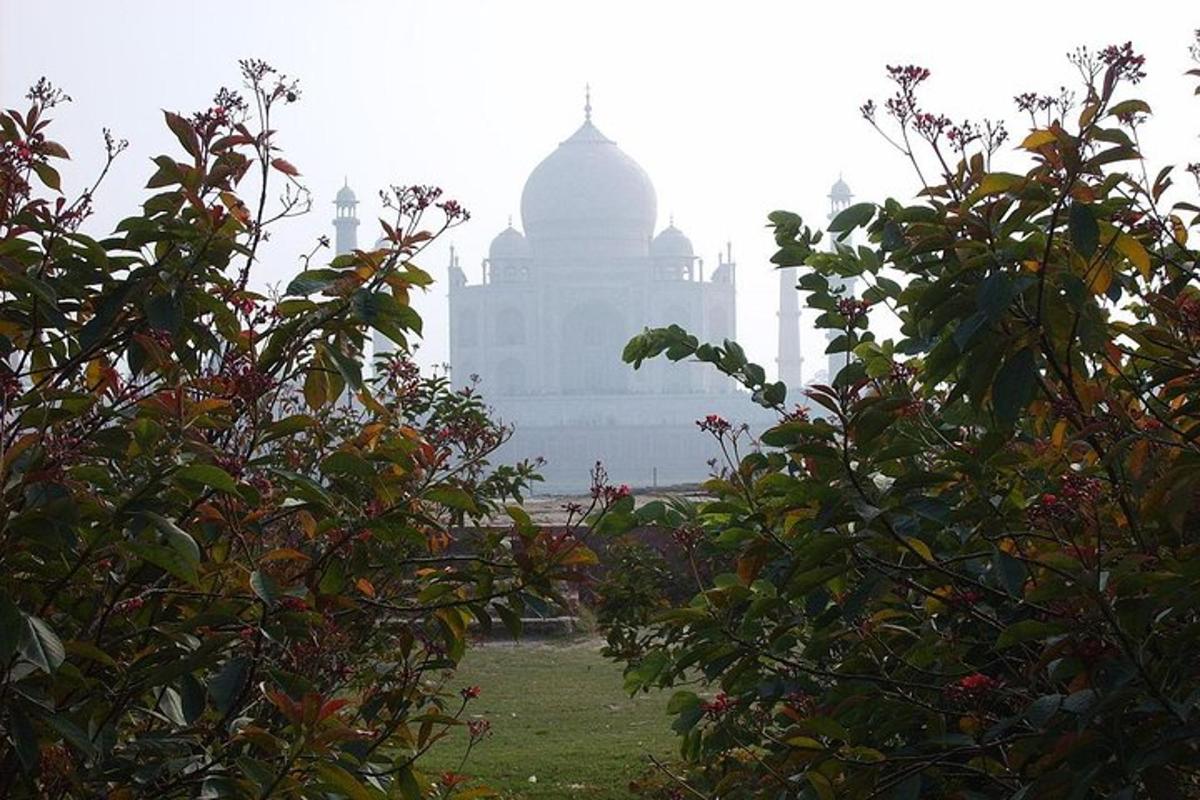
(330, 708)
(284, 166)
(184, 132)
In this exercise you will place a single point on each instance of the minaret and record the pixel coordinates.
(790, 360)
(345, 221)
(458, 278)
(840, 198)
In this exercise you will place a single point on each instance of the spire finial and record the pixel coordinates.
(510, 220)
(345, 181)
(671, 221)
(587, 102)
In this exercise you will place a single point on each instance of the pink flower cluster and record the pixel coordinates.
(714, 424)
(973, 688)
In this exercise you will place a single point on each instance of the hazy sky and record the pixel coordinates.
(734, 109)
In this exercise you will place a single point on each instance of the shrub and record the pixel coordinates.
(228, 559)
(972, 572)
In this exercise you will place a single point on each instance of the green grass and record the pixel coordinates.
(559, 713)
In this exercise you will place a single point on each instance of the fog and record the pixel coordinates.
(733, 109)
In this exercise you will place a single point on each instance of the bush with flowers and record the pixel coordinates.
(231, 558)
(969, 568)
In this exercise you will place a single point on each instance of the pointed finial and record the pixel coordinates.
(587, 102)
(671, 223)
(728, 252)
(510, 220)
(453, 257)
(345, 181)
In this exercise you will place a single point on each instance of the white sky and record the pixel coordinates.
(734, 109)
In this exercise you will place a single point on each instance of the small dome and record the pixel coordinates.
(510, 243)
(672, 243)
(345, 196)
(841, 189)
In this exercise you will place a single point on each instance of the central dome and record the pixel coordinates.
(588, 192)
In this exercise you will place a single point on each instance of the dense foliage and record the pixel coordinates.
(971, 568)
(229, 559)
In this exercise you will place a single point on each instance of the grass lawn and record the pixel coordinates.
(558, 713)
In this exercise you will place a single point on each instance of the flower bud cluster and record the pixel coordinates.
(852, 309)
(973, 688)
(718, 707)
(714, 424)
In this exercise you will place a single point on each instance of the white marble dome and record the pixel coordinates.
(672, 243)
(345, 196)
(508, 244)
(841, 190)
(588, 188)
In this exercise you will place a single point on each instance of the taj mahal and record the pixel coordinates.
(542, 328)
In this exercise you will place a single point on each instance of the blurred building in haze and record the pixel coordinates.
(542, 325)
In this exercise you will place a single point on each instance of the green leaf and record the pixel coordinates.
(266, 587)
(345, 783)
(920, 548)
(348, 366)
(452, 497)
(312, 281)
(288, 426)
(908, 789)
(167, 559)
(226, 685)
(511, 619)
(162, 312)
(995, 294)
(1010, 572)
(385, 313)
(856, 216)
(24, 738)
(997, 183)
(317, 388)
(192, 698)
(1013, 387)
(1042, 709)
(10, 629)
(681, 701)
(258, 771)
(334, 579)
(344, 462)
(72, 733)
(88, 650)
(167, 174)
(176, 537)
(1085, 232)
(208, 475)
(305, 488)
(1129, 107)
(40, 645)
(1027, 630)
(407, 783)
(821, 785)
(1079, 702)
(171, 705)
(48, 175)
